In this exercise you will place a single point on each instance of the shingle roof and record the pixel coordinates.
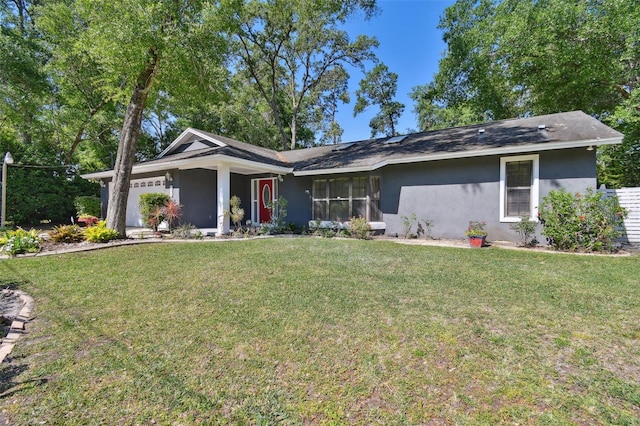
(553, 131)
(233, 148)
(541, 132)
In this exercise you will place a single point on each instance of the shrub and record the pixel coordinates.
(407, 222)
(577, 222)
(67, 234)
(278, 210)
(100, 233)
(526, 230)
(187, 231)
(20, 241)
(87, 205)
(36, 195)
(87, 219)
(151, 204)
(426, 230)
(359, 228)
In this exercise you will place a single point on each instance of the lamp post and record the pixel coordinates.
(8, 159)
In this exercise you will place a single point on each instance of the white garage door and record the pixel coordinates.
(137, 187)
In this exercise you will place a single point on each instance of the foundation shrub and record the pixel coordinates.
(582, 222)
(152, 208)
(187, 231)
(236, 214)
(526, 230)
(278, 224)
(359, 228)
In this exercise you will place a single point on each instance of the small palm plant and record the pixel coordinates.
(156, 217)
(172, 212)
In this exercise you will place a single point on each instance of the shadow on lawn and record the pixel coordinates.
(8, 374)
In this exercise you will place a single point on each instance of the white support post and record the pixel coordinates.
(224, 188)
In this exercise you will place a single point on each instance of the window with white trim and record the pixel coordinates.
(341, 198)
(519, 187)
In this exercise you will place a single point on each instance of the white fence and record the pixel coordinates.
(629, 198)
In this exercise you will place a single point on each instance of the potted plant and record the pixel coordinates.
(476, 233)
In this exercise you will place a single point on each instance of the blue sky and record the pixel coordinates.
(410, 46)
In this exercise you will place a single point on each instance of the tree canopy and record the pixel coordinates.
(294, 52)
(97, 84)
(516, 58)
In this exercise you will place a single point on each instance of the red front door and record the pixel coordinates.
(265, 197)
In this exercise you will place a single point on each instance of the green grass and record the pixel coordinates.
(317, 331)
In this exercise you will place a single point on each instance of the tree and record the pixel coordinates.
(83, 107)
(290, 48)
(147, 46)
(378, 88)
(243, 115)
(512, 58)
(433, 115)
(334, 90)
(23, 83)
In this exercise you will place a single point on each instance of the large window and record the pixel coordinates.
(341, 198)
(518, 187)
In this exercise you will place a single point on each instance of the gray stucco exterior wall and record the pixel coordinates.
(452, 192)
(298, 200)
(449, 193)
(197, 195)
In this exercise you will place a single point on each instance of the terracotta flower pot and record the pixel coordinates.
(477, 241)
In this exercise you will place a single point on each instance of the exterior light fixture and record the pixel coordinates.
(590, 148)
(8, 159)
(168, 177)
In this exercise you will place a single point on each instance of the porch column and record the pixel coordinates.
(223, 198)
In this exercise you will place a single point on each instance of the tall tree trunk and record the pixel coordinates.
(294, 129)
(117, 208)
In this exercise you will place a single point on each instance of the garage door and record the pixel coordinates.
(142, 186)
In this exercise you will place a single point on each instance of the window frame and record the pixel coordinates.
(534, 195)
(328, 197)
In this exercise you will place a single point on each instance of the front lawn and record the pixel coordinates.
(318, 331)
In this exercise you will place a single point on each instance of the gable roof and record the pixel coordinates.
(205, 139)
(199, 149)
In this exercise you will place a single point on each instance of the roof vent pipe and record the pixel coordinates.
(480, 131)
(541, 127)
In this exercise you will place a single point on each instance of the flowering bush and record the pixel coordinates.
(20, 241)
(476, 229)
(581, 222)
(87, 219)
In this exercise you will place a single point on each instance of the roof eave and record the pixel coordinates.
(191, 163)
